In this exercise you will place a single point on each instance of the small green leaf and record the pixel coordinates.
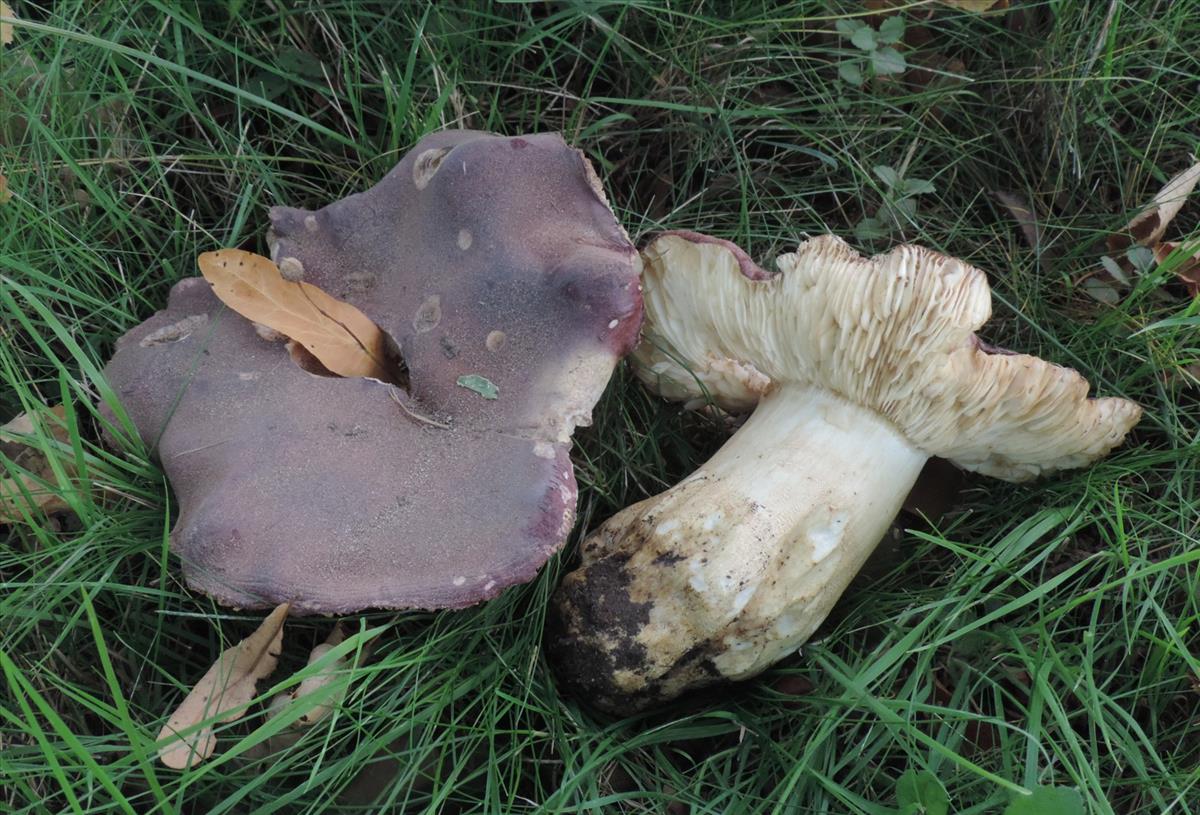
(916, 186)
(891, 30)
(1142, 258)
(1101, 291)
(847, 27)
(851, 72)
(1114, 270)
(888, 175)
(905, 210)
(921, 792)
(480, 384)
(267, 84)
(1048, 801)
(294, 62)
(864, 38)
(869, 228)
(888, 61)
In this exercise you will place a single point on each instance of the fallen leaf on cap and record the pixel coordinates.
(23, 492)
(480, 385)
(6, 29)
(222, 694)
(1148, 226)
(340, 336)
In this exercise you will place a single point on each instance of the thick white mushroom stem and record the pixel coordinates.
(775, 525)
(737, 565)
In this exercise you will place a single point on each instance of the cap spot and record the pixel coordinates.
(460, 580)
(310, 223)
(428, 315)
(426, 165)
(464, 239)
(358, 283)
(495, 340)
(613, 323)
(246, 376)
(491, 584)
(543, 449)
(291, 269)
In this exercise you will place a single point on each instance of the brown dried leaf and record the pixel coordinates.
(1190, 374)
(5, 195)
(1022, 212)
(6, 29)
(335, 332)
(21, 493)
(1188, 271)
(319, 680)
(1148, 227)
(26, 425)
(222, 693)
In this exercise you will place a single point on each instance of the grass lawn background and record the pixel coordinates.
(1045, 633)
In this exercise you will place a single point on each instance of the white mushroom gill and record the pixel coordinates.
(857, 370)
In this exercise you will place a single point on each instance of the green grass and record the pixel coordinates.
(1045, 633)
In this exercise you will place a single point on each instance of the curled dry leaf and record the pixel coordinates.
(21, 493)
(1021, 210)
(6, 29)
(321, 679)
(340, 336)
(1187, 270)
(1147, 230)
(222, 694)
(1148, 227)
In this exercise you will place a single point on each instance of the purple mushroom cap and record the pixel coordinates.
(510, 290)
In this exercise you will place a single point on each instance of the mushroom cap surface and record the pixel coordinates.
(481, 256)
(894, 333)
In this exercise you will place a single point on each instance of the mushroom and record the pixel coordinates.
(497, 267)
(857, 371)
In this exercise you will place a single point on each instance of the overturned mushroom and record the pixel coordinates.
(857, 370)
(510, 290)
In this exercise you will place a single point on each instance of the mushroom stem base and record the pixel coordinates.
(737, 565)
